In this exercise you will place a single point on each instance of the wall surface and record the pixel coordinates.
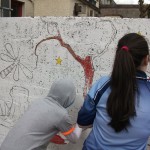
(125, 11)
(59, 8)
(53, 8)
(34, 52)
(29, 8)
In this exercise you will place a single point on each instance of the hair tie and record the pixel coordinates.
(125, 48)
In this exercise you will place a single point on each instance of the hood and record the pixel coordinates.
(63, 91)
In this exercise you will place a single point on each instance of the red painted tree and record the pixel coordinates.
(86, 62)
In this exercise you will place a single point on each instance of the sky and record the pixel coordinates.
(130, 1)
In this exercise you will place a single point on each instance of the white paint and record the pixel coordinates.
(33, 69)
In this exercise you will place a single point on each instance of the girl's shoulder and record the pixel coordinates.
(103, 80)
(99, 84)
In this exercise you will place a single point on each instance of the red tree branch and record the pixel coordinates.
(86, 62)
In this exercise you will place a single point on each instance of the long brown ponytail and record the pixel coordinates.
(131, 50)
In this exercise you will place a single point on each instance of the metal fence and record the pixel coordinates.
(5, 12)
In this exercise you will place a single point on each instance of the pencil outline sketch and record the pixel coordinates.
(15, 65)
(9, 107)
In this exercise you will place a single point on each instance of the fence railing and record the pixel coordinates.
(5, 10)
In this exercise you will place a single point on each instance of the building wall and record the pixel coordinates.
(106, 2)
(89, 12)
(29, 8)
(125, 12)
(59, 8)
(53, 8)
(39, 61)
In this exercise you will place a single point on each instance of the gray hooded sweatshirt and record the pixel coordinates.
(43, 119)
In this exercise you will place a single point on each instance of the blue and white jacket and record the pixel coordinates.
(102, 136)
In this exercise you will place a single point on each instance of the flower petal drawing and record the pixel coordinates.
(9, 50)
(16, 64)
(16, 73)
(6, 57)
(26, 71)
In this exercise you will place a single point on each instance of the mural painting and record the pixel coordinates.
(34, 52)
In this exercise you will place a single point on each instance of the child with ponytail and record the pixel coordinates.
(118, 107)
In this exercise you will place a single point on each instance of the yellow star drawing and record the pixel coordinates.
(58, 61)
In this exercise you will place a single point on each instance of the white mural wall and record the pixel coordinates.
(34, 52)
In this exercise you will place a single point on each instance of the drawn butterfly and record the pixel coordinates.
(16, 64)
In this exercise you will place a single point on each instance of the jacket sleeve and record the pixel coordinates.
(87, 113)
(75, 134)
(72, 135)
(71, 131)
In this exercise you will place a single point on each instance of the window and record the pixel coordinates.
(91, 13)
(17, 8)
(5, 8)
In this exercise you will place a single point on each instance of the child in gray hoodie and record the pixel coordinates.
(44, 119)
